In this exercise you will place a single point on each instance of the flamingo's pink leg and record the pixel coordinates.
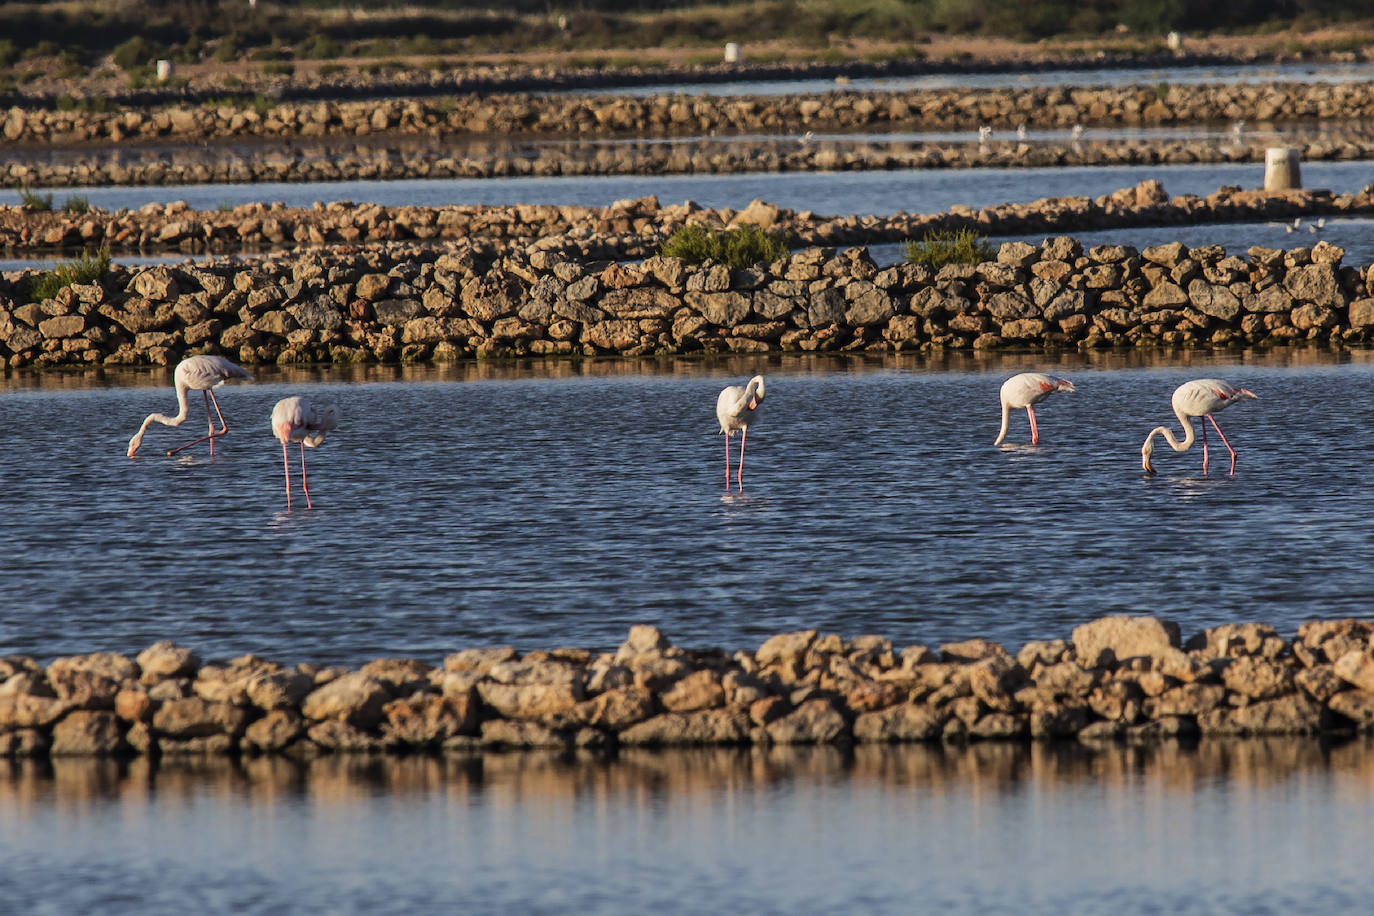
(1203, 424)
(744, 434)
(224, 427)
(727, 461)
(286, 464)
(1035, 433)
(305, 484)
(1223, 439)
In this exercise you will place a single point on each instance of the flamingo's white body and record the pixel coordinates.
(201, 373)
(1198, 398)
(735, 409)
(296, 420)
(1026, 390)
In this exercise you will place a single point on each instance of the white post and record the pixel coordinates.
(164, 71)
(732, 52)
(1281, 172)
(1175, 42)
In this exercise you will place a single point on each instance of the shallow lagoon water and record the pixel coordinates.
(1258, 826)
(555, 503)
(559, 510)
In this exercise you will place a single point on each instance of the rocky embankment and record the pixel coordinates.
(1118, 678)
(475, 298)
(676, 114)
(629, 229)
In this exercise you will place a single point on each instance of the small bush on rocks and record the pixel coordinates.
(84, 269)
(736, 248)
(76, 204)
(32, 200)
(938, 248)
(136, 52)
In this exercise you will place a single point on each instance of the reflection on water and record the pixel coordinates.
(728, 364)
(1236, 826)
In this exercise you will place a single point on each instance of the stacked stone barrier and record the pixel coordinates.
(626, 229)
(1127, 679)
(411, 302)
(679, 114)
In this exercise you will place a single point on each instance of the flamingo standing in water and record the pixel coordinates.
(1198, 398)
(201, 373)
(295, 420)
(735, 408)
(1026, 390)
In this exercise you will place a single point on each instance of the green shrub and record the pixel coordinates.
(31, 200)
(736, 248)
(8, 52)
(228, 49)
(328, 70)
(136, 52)
(84, 269)
(319, 47)
(278, 68)
(941, 247)
(77, 205)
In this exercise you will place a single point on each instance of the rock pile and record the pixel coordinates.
(627, 229)
(1117, 678)
(444, 302)
(676, 114)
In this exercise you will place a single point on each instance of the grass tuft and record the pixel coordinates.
(736, 248)
(944, 246)
(86, 268)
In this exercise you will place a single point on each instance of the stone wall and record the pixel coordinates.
(1117, 678)
(385, 303)
(676, 114)
(626, 229)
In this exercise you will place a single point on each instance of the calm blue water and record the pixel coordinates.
(1235, 827)
(1105, 76)
(559, 511)
(913, 191)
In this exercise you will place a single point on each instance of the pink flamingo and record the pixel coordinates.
(735, 408)
(1026, 390)
(201, 373)
(295, 420)
(1198, 398)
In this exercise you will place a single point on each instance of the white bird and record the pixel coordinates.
(295, 420)
(735, 409)
(984, 134)
(1077, 132)
(1020, 131)
(201, 373)
(1198, 398)
(1026, 390)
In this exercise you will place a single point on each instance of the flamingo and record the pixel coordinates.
(735, 407)
(295, 420)
(1026, 390)
(202, 373)
(1198, 398)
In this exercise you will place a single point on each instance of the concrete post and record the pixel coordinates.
(1281, 172)
(164, 71)
(732, 52)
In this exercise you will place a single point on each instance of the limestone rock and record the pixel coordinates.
(87, 733)
(355, 698)
(1123, 637)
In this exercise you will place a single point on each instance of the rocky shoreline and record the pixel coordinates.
(483, 297)
(453, 157)
(1127, 679)
(629, 229)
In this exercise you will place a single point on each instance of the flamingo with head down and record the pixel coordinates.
(201, 373)
(1026, 390)
(1199, 398)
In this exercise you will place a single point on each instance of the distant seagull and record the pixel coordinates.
(1026, 390)
(1077, 132)
(295, 420)
(984, 134)
(807, 137)
(735, 409)
(1198, 398)
(201, 373)
(1237, 130)
(1020, 131)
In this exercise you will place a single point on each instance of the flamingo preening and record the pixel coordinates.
(735, 409)
(1198, 398)
(1026, 390)
(296, 420)
(201, 373)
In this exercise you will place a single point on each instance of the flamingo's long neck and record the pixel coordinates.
(183, 411)
(1189, 437)
(1006, 418)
